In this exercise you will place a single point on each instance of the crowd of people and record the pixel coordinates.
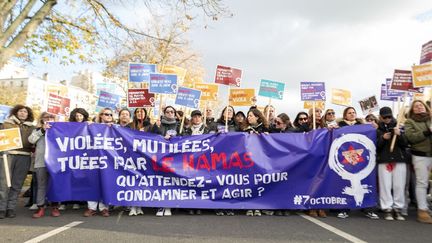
(410, 160)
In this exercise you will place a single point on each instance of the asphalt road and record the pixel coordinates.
(208, 227)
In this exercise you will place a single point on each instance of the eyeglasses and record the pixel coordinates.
(278, 123)
(330, 113)
(387, 117)
(303, 119)
(107, 114)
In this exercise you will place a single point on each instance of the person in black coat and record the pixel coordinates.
(391, 165)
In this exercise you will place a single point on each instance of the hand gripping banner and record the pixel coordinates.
(316, 170)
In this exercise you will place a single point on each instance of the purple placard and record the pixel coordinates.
(312, 91)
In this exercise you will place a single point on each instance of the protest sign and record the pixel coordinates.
(140, 72)
(312, 91)
(341, 97)
(10, 139)
(369, 105)
(57, 89)
(426, 53)
(140, 98)
(179, 71)
(4, 112)
(384, 95)
(228, 76)
(125, 167)
(241, 97)
(318, 104)
(108, 100)
(58, 105)
(422, 75)
(188, 97)
(209, 92)
(163, 83)
(271, 89)
(402, 80)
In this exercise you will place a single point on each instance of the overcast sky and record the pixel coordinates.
(347, 44)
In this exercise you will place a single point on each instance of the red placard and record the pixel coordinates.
(58, 105)
(228, 76)
(140, 98)
(402, 80)
(426, 53)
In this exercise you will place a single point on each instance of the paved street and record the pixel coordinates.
(210, 228)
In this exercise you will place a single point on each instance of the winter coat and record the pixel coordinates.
(37, 138)
(383, 146)
(419, 136)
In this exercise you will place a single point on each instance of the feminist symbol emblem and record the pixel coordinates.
(353, 157)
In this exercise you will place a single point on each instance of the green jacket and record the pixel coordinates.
(415, 133)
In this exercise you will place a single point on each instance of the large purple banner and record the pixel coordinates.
(320, 169)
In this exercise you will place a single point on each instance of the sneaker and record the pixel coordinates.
(105, 213)
(34, 207)
(219, 213)
(371, 215)
(89, 213)
(287, 213)
(62, 207)
(279, 213)
(313, 213)
(268, 212)
(39, 214)
(404, 212)
(76, 206)
(167, 212)
(229, 212)
(133, 211)
(249, 213)
(322, 213)
(10, 213)
(343, 215)
(399, 217)
(55, 212)
(198, 212)
(388, 216)
(257, 213)
(160, 212)
(191, 212)
(139, 211)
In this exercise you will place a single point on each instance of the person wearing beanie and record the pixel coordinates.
(391, 165)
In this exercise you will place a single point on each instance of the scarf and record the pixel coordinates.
(196, 129)
(421, 117)
(350, 123)
(168, 121)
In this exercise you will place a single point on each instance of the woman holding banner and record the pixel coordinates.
(418, 130)
(168, 127)
(124, 117)
(105, 116)
(350, 119)
(140, 120)
(79, 115)
(219, 126)
(19, 160)
(141, 123)
(256, 123)
(282, 124)
(328, 120)
(301, 122)
(38, 138)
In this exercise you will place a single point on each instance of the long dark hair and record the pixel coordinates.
(285, 119)
(14, 112)
(137, 123)
(296, 120)
(82, 111)
(221, 118)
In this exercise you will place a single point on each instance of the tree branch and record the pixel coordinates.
(16, 23)
(26, 32)
(4, 12)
